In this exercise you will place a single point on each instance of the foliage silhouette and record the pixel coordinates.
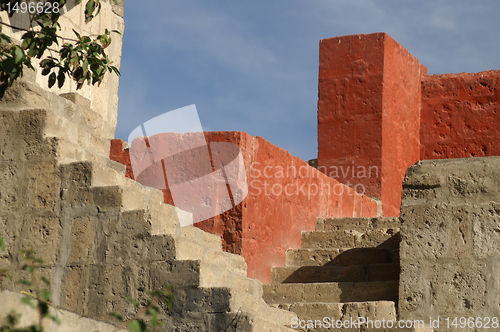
(82, 58)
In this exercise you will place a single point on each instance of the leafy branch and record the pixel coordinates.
(82, 59)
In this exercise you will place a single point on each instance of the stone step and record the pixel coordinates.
(70, 151)
(363, 329)
(353, 273)
(109, 198)
(359, 224)
(331, 292)
(103, 172)
(64, 129)
(341, 257)
(382, 238)
(136, 199)
(193, 243)
(265, 315)
(226, 270)
(261, 325)
(343, 311)
(161, 219)
(106, 172)
(85, 117)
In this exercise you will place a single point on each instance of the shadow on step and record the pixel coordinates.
(371, 264)
(386, 252)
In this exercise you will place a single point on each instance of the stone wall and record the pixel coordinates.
(285, 196)
(450, 247)
(103, 98)
(104, 237)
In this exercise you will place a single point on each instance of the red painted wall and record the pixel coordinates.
(285, 197)
(349, 109)
(401, 98)
(368, 114)
(460, 115)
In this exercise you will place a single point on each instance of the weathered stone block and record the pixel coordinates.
(449, 248)
(231, 322)
(42, 234)
(201, 300)
(175, 273)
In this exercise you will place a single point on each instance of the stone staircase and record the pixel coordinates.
(104, 237)
(345, 270)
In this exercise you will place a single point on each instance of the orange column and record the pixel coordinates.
(369, 114)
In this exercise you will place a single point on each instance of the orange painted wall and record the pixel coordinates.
(285, 197)
(460, 115)
(350, 109)
(401, 98)
(368, 114)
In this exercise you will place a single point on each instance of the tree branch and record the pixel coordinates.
(13, 27)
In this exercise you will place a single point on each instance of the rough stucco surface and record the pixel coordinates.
(460, 115)
(378, 108)
(369, 113)
(450, 248)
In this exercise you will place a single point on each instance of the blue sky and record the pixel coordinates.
(253, 65)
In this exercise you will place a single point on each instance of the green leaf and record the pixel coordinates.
(6, 38)
(90, 7)
(24, 282)
(60, 78)
(117, 316)
(45, 280)
(52, 80)
(33, 50)
(2, 244)
(27, 39)
(47, 63)
(77, 34)
(43, 308)
(137, 326)
(98, 7)
(86, 65)
(56, 320)
(18, 54)
(44, 294)
(153, 312)
(26, 300)
(89, 10)
(12, 318)
(27, 268)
